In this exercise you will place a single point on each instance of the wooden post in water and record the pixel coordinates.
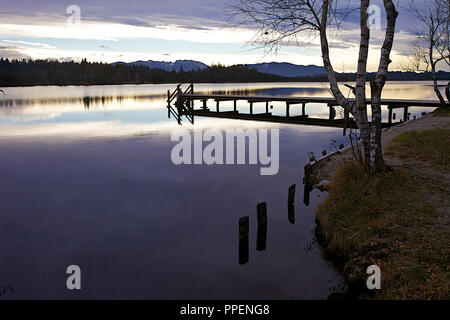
(217, 105)
(291, 195)
(303, 109)
(243, 240)
(291, 200)
(261, 237)
(405, 113)
(234, 105)
(204, 104)
(251, 107)
(267, 106)
(287, 109)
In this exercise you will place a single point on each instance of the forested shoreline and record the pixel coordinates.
(52, 72)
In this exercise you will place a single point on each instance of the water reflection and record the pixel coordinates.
(114, 203)
(291, 200)
(51, 104)
(243, 240)
(261, 234)
(291, 213)
(262, 226)
(86, 101)
(306, 194)
(308, 92)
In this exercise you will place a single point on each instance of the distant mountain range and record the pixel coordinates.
(283, 69)
(185, 65)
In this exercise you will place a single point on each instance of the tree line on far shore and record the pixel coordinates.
(52, 72)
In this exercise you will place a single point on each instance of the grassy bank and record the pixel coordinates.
(441, 112)
(398, 220)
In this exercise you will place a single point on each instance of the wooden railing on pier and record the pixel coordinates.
(184, 106)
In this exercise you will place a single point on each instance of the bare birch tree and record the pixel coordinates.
(432, 45)
(280, 20)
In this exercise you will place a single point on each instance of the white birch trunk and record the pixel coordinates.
(360, 90)
(376, 154)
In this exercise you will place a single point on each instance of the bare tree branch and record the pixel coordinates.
(432, 45)
(281, 20)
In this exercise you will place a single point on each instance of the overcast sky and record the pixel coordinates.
(130, 30)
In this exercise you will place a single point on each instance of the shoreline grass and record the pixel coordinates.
(398, 220)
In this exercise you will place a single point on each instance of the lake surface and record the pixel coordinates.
(86, 179)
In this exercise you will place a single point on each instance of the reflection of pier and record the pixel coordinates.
(181, 103)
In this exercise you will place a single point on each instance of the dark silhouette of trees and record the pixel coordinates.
(47, 72)
(44, 72)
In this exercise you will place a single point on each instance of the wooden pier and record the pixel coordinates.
(181, 103)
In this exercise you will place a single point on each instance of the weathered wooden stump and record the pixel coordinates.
(291, 194)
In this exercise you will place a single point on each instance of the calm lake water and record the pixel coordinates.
(86, 179)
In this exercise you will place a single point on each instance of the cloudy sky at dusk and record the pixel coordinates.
(169, 30)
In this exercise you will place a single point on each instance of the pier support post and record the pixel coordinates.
(243, 239)
(405, 113)
(261, 237)
(168, 103)
(177, 103)
(332, 112)
(204, 104)
(217, 105)
(234, 105)
(303, 109)
(251, 107)
(287, 109)
(390, 115)
(267, 107)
